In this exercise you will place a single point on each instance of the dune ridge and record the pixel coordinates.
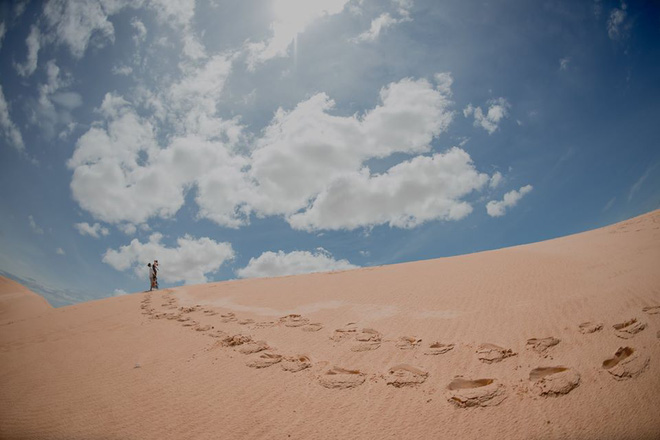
(557, 339)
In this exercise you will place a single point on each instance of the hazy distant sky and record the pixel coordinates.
(234, 139)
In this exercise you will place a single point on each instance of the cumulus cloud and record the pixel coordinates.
(293, 164)
(33, 45)
(119, 292)
(617, 25)
(291, 18)
(563, 63)
(95, 230)
(9, 129)
(498, 109)
(497, 208)
(274, 264)
(189, 262)
(60, 251)
(407, 195)
(120, 174)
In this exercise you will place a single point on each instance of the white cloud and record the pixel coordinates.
(378, 24)
(74, 23)
(60, 251)
(9, 129)
(35, 227)
(3, 30)
(119, 292)
(55, 104)
(271, 264)
(140, 31)
(127, 228)
(291, 18)
(189, 262)
(498, 208)
(33, 45)
(444, 81)
(495, 180)
(95, 230)
(121, 175)
(122, 70)
(407, 195)
(293, 164)
(563, 63)
(498, 109)
(617, 26)
(386, 20)
(638, 184)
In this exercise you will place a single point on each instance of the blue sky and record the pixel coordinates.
(272, 137)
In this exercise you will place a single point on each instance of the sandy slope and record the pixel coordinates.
(17, 302)
(160, 365)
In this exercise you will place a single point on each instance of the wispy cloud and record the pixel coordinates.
(497, 208)
(95, 230)
(498, 109)
(34, 226)
(9, 129)
(618, 26)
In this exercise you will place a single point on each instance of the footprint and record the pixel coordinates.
(541, 346)
(345, 332)
(465, 393)
(253, 347)
(228, 317)
(407, 342)
(265, 324)
(294, 320)
(628, 329)
(233, 341)
(203, 328)
(183, 319)
(626, 364)
(313, 327)
(210, 312)
(219, 334)
(246, 321)
(437, 348)
(368, 339)
(265, 360)
(590, 327)
(404, 375)
(341, 378)
(490, 353)
(190, 323)
(652, 310)
(554, 381)
(189, 309)
(294, 364)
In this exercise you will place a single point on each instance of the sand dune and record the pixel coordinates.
(17, 302)
(553, 340)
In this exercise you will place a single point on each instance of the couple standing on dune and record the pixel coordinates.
(153, 275)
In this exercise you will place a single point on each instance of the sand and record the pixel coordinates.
(553, 340)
